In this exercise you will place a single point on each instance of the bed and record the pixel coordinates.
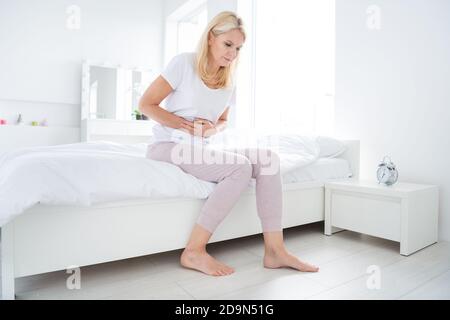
(48, 238)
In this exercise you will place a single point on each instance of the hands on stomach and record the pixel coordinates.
(198, 127)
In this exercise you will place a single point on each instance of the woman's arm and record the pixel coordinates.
(223, 120)
(149, 105)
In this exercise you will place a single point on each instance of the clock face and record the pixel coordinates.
(394, 176)
(383, 174)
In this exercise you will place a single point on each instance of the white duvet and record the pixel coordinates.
(94, 172)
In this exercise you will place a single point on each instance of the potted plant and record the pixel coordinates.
(137, 115)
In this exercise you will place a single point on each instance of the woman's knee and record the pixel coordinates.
(271, 155)
(243, 170)
(268, 162)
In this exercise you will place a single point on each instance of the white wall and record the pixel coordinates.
(171, 5)
(214, 6)
(40, 58)
(217, 6)
(392, 89)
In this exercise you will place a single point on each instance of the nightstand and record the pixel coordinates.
(404, 212)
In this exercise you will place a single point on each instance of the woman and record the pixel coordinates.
(200, 92)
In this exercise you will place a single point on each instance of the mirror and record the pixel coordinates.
(110, 92)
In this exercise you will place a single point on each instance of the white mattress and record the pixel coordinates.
(323, 169)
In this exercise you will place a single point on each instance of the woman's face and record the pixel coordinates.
(225, 47)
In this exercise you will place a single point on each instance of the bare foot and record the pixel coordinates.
(283, 258)
(202, 261)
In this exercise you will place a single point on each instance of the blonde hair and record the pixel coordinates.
(222, 23)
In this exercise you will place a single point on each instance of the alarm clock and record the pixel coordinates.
(387, 173)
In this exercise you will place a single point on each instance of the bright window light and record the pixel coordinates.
(292, 65)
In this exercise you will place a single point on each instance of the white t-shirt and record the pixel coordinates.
(190, 99)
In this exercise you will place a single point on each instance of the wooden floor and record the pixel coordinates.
(345, 261)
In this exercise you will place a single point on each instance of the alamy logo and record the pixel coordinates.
(268, 160)
(74, 280)
(242, 149)
(373, 21)
(73, 21)
(374, 280)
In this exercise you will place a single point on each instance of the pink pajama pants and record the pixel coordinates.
(232, 170)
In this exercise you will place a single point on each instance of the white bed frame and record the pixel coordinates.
(50, 238)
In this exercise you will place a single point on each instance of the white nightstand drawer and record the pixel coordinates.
(374, 215)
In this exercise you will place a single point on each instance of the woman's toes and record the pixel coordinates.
(229, 270)
(202, 261)
(225, 271)
(285, 259)
(307, 267)
(302, 266)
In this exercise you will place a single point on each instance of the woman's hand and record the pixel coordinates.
(186, 126)
(199, 127)
(204, 127)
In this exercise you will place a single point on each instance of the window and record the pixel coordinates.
(190, 30)
(288, 66)
(184, 28)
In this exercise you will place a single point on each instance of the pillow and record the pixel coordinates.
(330, 147)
